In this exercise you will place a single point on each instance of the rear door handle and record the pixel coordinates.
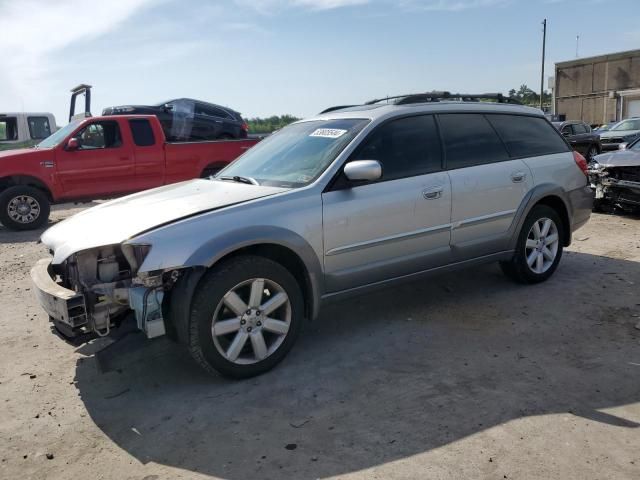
(517, 177)
(432, 193)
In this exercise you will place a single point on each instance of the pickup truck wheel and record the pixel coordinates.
(23, 208)
(246, 315)
(210, 172)
(539, 247)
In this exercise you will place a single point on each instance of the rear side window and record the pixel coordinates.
(528, 136)
(405, 147)
(39, 127)
(470, 140)
(142, 132)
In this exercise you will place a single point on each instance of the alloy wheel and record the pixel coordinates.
(23, 209)
(542, 244)
(251, 321)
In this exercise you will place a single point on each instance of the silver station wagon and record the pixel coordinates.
(353, 199)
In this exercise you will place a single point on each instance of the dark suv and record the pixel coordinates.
(581, 138)
(185, 119)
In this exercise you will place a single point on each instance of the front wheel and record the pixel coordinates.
(245, 317)
(23, 207)
(539, 247)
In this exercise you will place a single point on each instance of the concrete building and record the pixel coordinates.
(598, 89)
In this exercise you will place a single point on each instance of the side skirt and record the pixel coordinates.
(343, 294)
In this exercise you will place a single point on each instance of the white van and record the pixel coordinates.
(19, 130)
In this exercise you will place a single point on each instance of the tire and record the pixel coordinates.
(239, 353)
(23, 207)
(518, 268)
(210, 171)
(592, 152)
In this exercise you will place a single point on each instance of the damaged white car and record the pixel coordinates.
(352, 200)
(615, 178)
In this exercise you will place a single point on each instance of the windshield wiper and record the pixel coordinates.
(236, 178)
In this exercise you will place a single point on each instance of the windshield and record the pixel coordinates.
(55, 138)
(635, 146)
(296, 155)
(627, 125)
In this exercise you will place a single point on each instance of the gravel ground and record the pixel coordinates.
(463, 376)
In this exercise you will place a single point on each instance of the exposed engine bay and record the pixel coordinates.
(615, 179)
(107, 290)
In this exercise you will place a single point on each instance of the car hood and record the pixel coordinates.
(622, 158)
(621, 133)
(118, 220)
(18, 152)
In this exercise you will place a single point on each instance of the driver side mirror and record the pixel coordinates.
(623, 146)
(363, 170)
(565, 133)
(72, 145)
(167, 107)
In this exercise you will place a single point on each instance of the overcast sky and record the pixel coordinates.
(264, 57)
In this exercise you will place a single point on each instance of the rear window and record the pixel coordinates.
(470, 140)
(527, 136)
(142, 132)
(8, 129)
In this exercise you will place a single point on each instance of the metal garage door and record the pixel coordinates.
(633, 108)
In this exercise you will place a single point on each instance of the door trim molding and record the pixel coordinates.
(391, 238)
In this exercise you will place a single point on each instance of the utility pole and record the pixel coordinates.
(544, 45)
(577, 44)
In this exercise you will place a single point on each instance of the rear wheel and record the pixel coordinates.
(592, 152)
(246, 315)
(23, 207)
(539, 247)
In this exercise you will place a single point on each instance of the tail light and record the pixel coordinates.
(581, 162)
(245, 126)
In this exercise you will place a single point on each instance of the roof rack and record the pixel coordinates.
(437, 96)
(337, 107)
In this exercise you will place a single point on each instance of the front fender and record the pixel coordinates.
(219, 247)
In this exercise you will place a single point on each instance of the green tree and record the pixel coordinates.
(270, 124)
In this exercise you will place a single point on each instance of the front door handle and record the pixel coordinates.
(432, 193)
(517, 177)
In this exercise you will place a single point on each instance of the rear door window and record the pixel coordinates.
(39, 127)
(470, 140)
(142, 132)
(527, 136)
(405, 147)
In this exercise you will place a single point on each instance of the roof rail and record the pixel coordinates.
(437, 96)
(337, 107)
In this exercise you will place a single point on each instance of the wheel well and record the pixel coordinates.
(213, 166)
(558, 205)
(289, 260)
(12, 181)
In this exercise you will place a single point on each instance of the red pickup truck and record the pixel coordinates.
(101, 157)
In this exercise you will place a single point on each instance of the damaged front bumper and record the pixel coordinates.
(96, 312)
(616, 186)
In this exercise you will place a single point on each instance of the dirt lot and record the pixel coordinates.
(463, 376)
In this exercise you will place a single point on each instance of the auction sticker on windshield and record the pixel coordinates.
(328, 133)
